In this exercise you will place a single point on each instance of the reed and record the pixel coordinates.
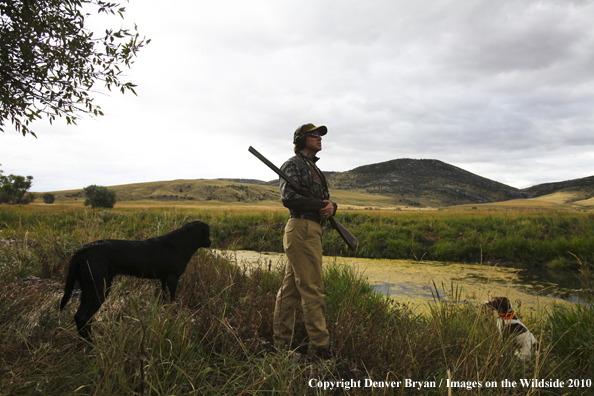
(215, 339)
(520, 237)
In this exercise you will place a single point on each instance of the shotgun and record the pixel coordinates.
(345, 234)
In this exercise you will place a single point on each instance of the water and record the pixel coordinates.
(419, 282)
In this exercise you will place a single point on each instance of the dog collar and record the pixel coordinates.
(507, 315)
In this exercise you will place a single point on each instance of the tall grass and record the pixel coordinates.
(518, 237)
(216, 338)
(527, 238)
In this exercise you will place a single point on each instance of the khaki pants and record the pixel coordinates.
(302, 282)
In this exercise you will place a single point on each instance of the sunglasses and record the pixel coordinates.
(314, 135)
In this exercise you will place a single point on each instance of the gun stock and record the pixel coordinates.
(345, 234)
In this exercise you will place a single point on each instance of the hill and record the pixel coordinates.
(578, 193)
(424, 183)
(400, 182)
(584, 188)
(188, 190)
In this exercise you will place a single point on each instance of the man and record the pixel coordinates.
(309, 209)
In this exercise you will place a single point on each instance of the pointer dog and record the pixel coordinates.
(509, 324)
(96, 264)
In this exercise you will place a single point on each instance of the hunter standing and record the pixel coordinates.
(303, 242)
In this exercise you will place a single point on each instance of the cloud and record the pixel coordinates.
(502, 89)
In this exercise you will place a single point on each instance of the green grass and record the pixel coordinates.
(213, 339)
(528, 238)
(525, 237)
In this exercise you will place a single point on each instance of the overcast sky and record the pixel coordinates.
(503, 89)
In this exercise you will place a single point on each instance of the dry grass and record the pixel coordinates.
(213, 193)
(214, 339)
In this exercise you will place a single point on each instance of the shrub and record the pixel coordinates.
(99, 197)
(48, 198)
(27, 198)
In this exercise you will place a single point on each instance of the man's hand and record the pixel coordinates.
(327, 211)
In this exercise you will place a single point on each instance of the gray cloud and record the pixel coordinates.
(502, 89)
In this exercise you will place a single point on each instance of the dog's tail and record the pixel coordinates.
(73, 272)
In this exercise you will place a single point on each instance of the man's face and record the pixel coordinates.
(313, 143)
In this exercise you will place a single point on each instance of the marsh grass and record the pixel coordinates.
(215, 338)
(519, 237)
(523, 237)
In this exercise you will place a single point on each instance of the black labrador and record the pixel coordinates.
(96, 264)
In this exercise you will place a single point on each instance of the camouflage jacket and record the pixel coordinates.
(302, 169)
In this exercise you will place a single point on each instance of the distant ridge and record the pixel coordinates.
(244, 181)
(424, 182)
(585, 187)
(399, 182)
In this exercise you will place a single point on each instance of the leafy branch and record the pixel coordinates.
(49, 61)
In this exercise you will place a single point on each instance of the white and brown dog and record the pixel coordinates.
(509, 324)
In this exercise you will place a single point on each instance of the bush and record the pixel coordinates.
(48, 198)
(27, 198)
(99, 197)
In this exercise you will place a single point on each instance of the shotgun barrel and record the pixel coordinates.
(345, 234)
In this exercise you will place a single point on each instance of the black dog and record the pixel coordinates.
(95, 265)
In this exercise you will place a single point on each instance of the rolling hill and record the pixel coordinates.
(221, 190)
(584, 188)
(400, 182)
(424, 183)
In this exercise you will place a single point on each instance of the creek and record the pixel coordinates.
(416, 282)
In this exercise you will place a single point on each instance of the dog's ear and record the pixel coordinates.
(507, 304)
(502, 304)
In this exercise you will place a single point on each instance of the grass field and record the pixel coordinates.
(229, 192)
(215, 338)
(488, 234)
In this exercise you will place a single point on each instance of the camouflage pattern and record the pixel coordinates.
(301, 168)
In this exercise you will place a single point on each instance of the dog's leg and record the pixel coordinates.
(172, 283)
(91, 298)
(84, 315)
(83, 321)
